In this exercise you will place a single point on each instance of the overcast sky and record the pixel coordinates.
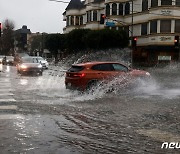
(38, 15)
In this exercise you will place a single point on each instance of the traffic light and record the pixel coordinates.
(176, 41)
(102, 18)
(134, 41)
(0, 29)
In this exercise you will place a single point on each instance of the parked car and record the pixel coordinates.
(42, 61)
(29, 65)
(84, 76)
(1, 58)
(8, 60)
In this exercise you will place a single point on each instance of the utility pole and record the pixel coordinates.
(132, 22)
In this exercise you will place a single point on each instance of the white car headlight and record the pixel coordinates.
(23, 66)
(147, 73)
(39, 66)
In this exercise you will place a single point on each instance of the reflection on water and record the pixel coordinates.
(24, 81)
(11, 116)
(1, 67)
(7, 68)
(35, 134)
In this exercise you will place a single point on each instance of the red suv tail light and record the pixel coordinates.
(76, 75)
(79, 75)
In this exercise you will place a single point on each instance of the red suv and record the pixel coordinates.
(85, 75)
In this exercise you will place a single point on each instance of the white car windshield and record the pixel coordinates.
(29, 60)
(40, 58)
(9, 57)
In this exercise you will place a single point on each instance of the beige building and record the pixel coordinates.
(155, 24)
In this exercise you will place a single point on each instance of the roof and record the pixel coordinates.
(78, 4)
(75, 4)
(96, 62)
(23, 30)
(64, 13)
(98, 1)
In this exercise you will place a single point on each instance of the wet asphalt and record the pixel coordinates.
(38, 115)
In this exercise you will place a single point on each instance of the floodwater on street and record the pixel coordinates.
(42, 116)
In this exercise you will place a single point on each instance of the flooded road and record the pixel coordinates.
(38, 115)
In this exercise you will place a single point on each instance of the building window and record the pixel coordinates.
(120, 9)
(77, 20)
(177, 26)
(72, 20)
(178, 2)
(153, 26)
(81, 20)
(67, 21)
(144, 5)
(166, 2)
(88, 16)
(127, 8)
(107, 10)
(94, 15)
(165, 26)
(144, 29)
(154, 3)
(114, 9)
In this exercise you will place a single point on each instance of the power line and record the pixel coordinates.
(59, 1)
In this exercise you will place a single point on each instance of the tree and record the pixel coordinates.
(54, 43)
(75, 40)
(83, 39)
(7, 40)
(37, 44)
(106, 38)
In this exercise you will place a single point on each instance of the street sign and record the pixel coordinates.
(119, 24)
(164, 58)
(110, 24)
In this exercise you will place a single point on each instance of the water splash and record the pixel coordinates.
(119, 55)
(164, 84)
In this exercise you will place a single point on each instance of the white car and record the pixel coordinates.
(1, 58)
(42, 61)
(8, 60)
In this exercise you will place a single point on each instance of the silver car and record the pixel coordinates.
(42, 61)
(29, 65)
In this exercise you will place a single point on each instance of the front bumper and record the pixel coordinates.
(44, 65)
(31, 70)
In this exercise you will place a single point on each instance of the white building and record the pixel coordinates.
(155, 23)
